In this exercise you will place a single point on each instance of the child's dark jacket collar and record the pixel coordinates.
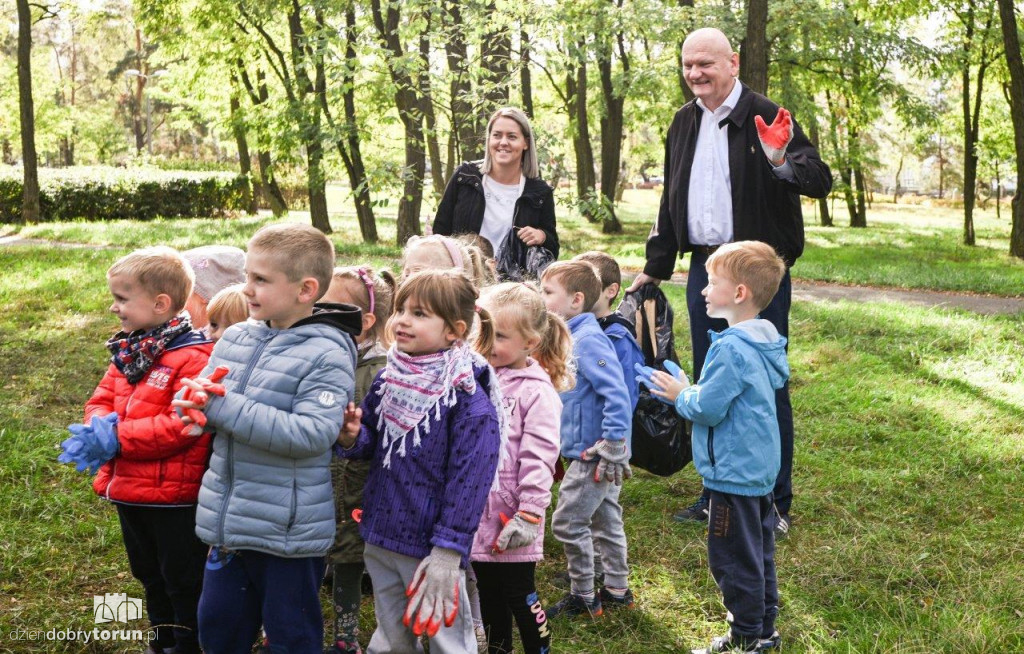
(345, 317)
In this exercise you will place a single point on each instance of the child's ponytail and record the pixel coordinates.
(484, 340)
(554, 353)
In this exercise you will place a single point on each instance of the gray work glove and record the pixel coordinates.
(614, 460)
(518, 532)
(434, 592)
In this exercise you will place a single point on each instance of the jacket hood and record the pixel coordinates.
(532, 370)
(346, 318)
(764, 338)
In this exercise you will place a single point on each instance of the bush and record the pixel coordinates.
(104, 193)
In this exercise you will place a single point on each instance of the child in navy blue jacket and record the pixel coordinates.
(431, 422)
(597, 421)
(736, 443)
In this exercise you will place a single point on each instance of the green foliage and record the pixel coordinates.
(99, 193)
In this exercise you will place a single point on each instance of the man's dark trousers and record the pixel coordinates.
(776, 313)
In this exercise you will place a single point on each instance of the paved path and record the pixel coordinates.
(811, 291)
(807, 291)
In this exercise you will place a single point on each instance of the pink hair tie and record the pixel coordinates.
(453, 252)
(368, 283)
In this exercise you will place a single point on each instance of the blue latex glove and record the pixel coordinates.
(92, 445)
(644, 376)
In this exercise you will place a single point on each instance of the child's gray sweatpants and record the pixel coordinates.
(588, 511)
(391, 574)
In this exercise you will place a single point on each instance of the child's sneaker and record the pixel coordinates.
(730, 643)
(344, 647)
(770, 643)
(613, 602)
(572, 605)
(696, 512)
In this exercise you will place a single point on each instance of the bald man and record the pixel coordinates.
(736, 165)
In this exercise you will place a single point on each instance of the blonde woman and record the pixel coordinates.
(504, 192)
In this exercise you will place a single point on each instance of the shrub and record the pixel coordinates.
(104, 193)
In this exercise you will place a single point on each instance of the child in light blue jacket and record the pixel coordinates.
(597, 421)
(736, 443)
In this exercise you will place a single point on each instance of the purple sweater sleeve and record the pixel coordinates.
(472, 461)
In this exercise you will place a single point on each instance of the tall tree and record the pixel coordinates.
(30, 184)
(1015, 64)
(754, 48)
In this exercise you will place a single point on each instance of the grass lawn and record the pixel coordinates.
(906, 246)
(909, 520)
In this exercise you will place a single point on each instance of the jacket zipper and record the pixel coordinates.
(231, 443)
(711, 445)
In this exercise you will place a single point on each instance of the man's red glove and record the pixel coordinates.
(775, 138)
(210, 387)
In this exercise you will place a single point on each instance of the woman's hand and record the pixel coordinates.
(532, 236)
(350, 428)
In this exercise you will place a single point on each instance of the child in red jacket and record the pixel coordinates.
(154, 477)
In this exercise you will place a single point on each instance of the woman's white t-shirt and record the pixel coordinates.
(499, 209)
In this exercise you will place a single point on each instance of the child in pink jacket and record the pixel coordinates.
(530, 351)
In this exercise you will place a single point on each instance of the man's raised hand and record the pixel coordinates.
(775, 138)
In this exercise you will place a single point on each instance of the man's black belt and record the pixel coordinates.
(706, 250)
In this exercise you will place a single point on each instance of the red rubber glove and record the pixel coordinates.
(775, 138)
(210, 387)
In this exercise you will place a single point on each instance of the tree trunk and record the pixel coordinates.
(316, 187)
(576, 85)
(825, 217)
(409, 111)
(30, 182)
(611, 135)
(244, 161)
(1015, 64)
(754, 49)
(495, 61)
(687, 93)
(862, 214)
(271, 191)
(427, 104)
(896, 190)
(525, 78)
(354, 162)
(464, 119)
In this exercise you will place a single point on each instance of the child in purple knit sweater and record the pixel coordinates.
(433, 426)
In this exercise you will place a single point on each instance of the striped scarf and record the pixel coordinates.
(415, 386)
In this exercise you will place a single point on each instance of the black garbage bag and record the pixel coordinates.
(661, 437)
(519, 262)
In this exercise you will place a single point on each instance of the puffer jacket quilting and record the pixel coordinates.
(268, 487)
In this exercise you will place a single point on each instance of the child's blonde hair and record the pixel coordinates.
(523, 305)
(300, 250)
(450, 295)
(228, 306)
(158, 270)
(361, 281)
(576, 277)
(754, 264)
(449, 252)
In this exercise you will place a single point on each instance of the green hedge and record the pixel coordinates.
(105, 193)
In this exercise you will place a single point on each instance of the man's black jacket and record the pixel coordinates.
(764, 207)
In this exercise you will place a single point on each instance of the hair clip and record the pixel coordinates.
(365, 277)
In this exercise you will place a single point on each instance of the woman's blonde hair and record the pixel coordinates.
(360, 282)
(465, 258)
(531, 168)
(450, 295)
(523, 305)
(228, 306)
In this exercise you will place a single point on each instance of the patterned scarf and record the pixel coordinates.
(135, 353)
(413, 386)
